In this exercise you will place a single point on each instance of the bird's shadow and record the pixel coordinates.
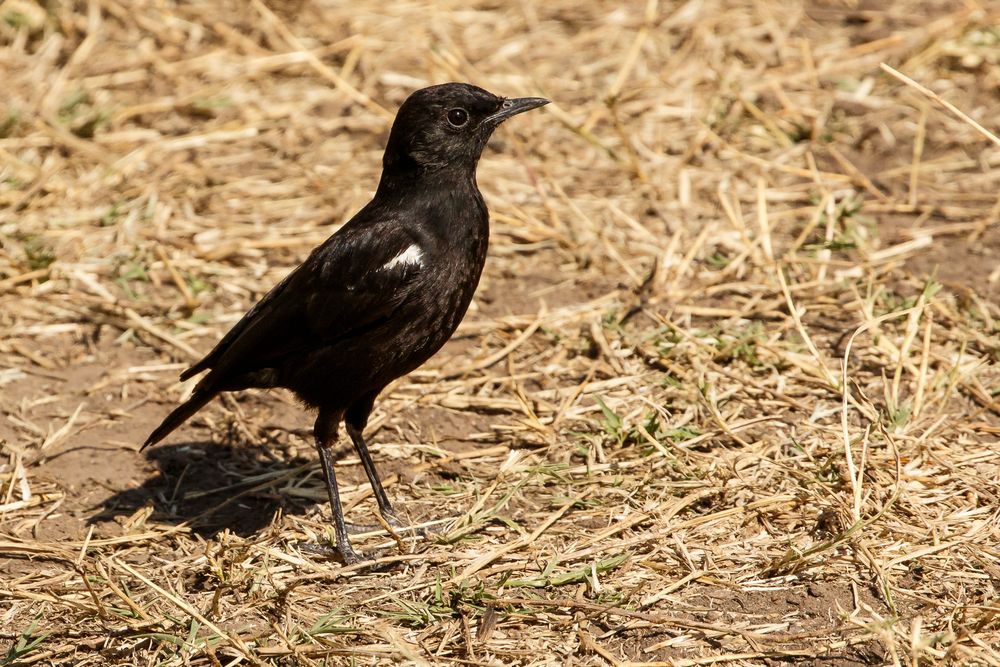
(214, 486)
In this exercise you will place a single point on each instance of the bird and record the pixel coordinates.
(381, 295)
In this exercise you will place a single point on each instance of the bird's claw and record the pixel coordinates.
(346, 555)
(359, 528)
(393, 522)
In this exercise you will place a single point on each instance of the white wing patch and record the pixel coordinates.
(412, 256)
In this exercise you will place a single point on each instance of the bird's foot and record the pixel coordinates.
(358, 528)
(394, 525)
(346, 555)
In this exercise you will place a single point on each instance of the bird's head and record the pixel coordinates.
(448, 126)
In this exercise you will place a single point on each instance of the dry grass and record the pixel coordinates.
(714, 404)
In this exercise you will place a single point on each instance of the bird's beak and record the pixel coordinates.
(515, 106)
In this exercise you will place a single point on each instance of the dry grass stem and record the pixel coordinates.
(728, 393)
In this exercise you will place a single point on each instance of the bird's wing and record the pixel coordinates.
(348, 284)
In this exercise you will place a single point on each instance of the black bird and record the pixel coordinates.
(379, 297)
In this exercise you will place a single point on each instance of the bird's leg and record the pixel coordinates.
(354, 421)
(326, 436)
(384, 506)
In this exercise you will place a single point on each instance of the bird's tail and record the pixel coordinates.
(180, 415)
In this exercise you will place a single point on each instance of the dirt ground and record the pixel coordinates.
(727, 393)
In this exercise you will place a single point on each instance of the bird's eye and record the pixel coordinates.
(458, 117)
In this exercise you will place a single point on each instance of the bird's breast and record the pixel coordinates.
(452, 279)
